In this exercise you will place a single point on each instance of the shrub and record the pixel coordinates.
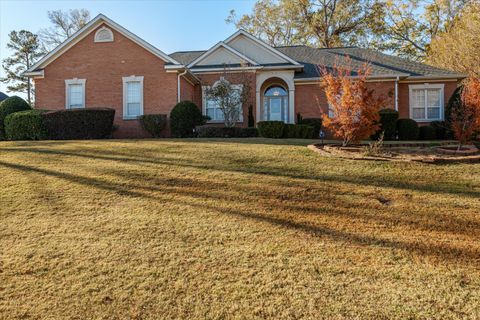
(441, 129)
(271, 129)
(25, 125)
(185, 116)
(427, 133)
(251, 119)
(315, 123)
(304, 131)
(388, 124)
(153, 123)
(8, 106)
(225, 132)
(454, 102)
(91, 123)
(407, 129)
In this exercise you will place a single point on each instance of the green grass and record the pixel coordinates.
(251, 228)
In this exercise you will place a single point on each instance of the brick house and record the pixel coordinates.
(105, 65)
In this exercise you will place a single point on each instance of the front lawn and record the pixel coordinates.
(250, 228)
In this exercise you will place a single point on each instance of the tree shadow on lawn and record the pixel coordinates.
(442, 252)
(384, 181)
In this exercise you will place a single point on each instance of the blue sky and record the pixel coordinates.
(167, 24)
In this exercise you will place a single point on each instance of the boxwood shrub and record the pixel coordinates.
(315, 123)
(8, 106)
(91, 123)
(225, 132)
(184, 117)
(427, 133)
(271, 129)
(154, 123)
(298, 131)
(25, 125)
(407, 129)
(388, 124)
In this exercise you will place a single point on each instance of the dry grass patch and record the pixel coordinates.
(233, 229)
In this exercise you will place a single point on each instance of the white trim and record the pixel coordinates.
(225, 46)
(83, 32)
(426, 86)
(69, 82)
(125, 80)
(37, 74)
(111, 39)
(255, 39)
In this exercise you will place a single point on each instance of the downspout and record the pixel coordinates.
(396, 93)
(178, 83)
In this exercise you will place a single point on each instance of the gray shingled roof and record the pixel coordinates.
(380, 64)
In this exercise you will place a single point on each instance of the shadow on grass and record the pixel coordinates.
(446, 187)
(441, 251)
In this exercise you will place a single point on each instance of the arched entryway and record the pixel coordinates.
(275, 96)
(275, 104)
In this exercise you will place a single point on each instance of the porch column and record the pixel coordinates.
(291, 105)
(257, 113)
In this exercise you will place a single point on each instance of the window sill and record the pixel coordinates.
(220, 121)
(131, 118)
(427, 120)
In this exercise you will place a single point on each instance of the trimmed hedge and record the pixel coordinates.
(315, 123)
(184, 117)
(8, 106)
(25, 125)
(225, 132)
(271, 129)
(91, 123)
(388, 124)
(154, 123)
(298, 131)
(427, 133)
(441, 129)
(407, 129)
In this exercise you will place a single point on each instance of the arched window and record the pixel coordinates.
(104, 35)
(275, 91)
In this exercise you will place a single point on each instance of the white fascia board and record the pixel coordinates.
(83, 32)
(255, 39)
(38, 73)
(225, 46)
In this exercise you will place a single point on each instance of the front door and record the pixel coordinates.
(275, 104)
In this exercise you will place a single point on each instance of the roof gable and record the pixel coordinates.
(86, 30)
(256, 49)
(221, 54)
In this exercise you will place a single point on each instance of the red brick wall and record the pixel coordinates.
(234, 78)
(103, 65)
(310, 99)
(187, 90)
(403, 96)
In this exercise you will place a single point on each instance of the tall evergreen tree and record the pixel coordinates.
(25, 47)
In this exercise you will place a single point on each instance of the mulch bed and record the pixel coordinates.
(400, 152)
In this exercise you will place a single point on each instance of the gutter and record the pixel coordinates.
(396, 93)
(178, 83)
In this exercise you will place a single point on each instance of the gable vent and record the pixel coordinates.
(104, 35)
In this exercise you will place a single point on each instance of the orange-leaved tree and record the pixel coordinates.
(353, 109)
(466, 116)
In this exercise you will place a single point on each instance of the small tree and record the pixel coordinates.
(229, 97)
(25, 51)
(353, 109)
(465, 117)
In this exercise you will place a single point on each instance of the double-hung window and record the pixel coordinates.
(132, 97)
(426, 102)
(211, 107)
(75, 93)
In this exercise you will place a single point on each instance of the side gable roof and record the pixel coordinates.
(215, 48)
(87, 29)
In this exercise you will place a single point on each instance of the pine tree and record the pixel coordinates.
(25, 47)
